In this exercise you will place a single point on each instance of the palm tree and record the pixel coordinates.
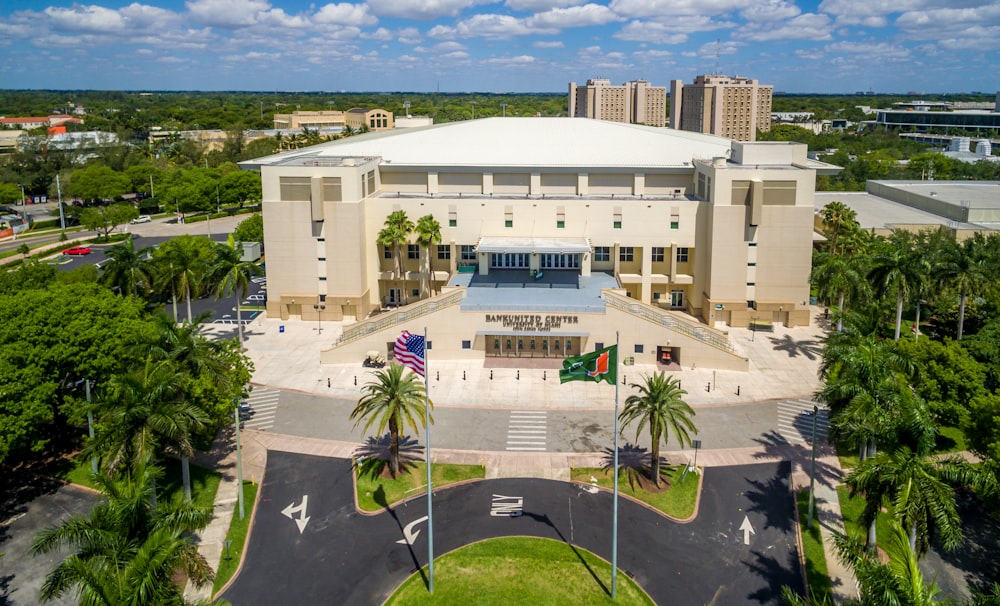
(837, 277)
(899, 581)
(659, 404)
(181, 265)
(140, 411)
(428, 234)
(393, 400)
(128, 270)
(897, 269)
(231, 274)
(395, 234)
(966, 267)
(125, 552)
(838, 221)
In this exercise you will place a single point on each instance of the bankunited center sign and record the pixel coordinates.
(529, 322)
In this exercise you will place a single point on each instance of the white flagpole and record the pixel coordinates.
(430, 491)
(614, 522)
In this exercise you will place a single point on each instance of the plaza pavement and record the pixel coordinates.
(285, 353)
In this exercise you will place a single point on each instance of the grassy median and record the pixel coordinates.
(377, 491)
(677, 499)
(237, 536)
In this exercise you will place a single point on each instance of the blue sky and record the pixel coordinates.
(824, 46)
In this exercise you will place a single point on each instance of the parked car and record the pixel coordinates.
(141, 219)
(77, 250)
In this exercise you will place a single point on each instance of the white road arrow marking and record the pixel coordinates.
(292, 509)
(410, 535)
(747, 530)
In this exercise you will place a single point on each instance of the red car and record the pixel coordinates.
(77, 250)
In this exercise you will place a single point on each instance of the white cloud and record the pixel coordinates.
(442, 32)
(421, 10)
(576, 16)
(548, 44)
(809, 26)
(810, 54)
(882, 50)
(771, 10)
(226, 13)
(345, 13)
(381, 34)
(519, 60)
(661, 8)
(494, 27)
(656, 33)
(277, 18)
(409, 35)
(537, 6)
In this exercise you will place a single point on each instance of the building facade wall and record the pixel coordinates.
(730, 107)
(634, 102)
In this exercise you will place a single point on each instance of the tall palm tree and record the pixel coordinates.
(659, 405)
(142, 411)
(897, 270)
(838, 220)
(394, 234)
(895, 583)
(181, 264)
(967, 268)
(392, 400)
(231, 274)
(128, 270)
(837, 277)
(124, 552)
(428, 234)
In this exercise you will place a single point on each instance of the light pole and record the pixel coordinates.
(22, 193)
(753, 329)
(503, 108)
(62, 216)
(406, 108)
(812, 471)
(319, 307)
(90, 424)
(239, 455)
(473, 104)
(218, 204)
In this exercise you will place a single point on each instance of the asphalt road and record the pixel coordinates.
(340, 556)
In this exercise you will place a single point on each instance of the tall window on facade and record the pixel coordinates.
(370, 179)
(386, 252)
(677, 298)
(616, 220)
(682, 255)
(294, 189)
(508, 219)
(331, 189)
(452, 218)
(468, 252)
(560, 218)
(675, 221)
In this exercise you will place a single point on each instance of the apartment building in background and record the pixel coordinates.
(634, 102)
(731, 107)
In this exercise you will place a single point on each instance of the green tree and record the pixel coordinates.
(949, 377)
(395, 234)
(838, 221)
(836, 278)
(10, 193)
(660, 405)
(106, 219)
(180, 265)
(240, 187)
(128, 271)
(392, 400)
(898, 268)
(123, 552)
(98, 182)
(250, 229)
(428, 234)
(232, 275)
(967, 268)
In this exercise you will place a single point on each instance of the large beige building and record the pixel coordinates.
(634, 102)
(720, 105)
(373, 119)
(549, 241)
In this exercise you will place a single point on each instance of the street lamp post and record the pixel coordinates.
(90, 425)
(21, 185)
(239, 455)
(319, 307)
(812, 471)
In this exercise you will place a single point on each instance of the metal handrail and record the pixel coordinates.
(715, 338)
(405, 314)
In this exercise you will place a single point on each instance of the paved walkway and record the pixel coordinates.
(784, 364)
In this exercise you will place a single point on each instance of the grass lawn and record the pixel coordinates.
(817, 574)
(204, 482)
(852, 507)
(237, 536)
(375, 494)
(519, 570)
(677, 501)
(950, 439)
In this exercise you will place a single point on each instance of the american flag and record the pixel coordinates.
(409, 351)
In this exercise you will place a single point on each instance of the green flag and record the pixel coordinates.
(602, 365)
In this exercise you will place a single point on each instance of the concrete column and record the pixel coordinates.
(484, 263)
(647, 271)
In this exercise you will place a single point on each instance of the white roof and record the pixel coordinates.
(520, 142)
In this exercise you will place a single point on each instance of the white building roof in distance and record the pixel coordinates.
(973, 194)
(875, 212)
(520, 142)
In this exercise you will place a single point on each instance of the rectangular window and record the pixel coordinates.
(626, 253)
(468, 252)
(386, 252)
(682, 255)
(331, 189)
(321, 259)
(508, 218)
(370, 178)
(677, 298)
(412, 251)
(657, 255)
(675, 221)
(444, 251)
(415, 292)
(466, 344)
(616, 218)
(598, 346)
(294, 189)
(560, 218)
(639, 349)
(452, 218)
(602, 254)
(656, 296)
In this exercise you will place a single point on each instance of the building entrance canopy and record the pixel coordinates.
(505, 244)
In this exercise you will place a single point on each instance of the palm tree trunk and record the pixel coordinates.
(186, 477)
(899, 313)
(961, 315)
(394, 447)
(913, 537)
(840, 311)
(173, 300)
(239, 319)
(655, 463)
(187, 298)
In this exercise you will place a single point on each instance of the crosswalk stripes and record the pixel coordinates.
(795, 421)
(264, 404)
(527, 430)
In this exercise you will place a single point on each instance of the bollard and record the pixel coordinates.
(491, 374)
(737, 390)
(519, 375)
(438, 376)
(328, 381)
(355, 379)
(463, 375)
(544, 373)
(708, 386)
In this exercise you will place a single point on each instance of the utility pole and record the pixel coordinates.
(62, 217)
(239, 456)
(90, 424)
(812, 471)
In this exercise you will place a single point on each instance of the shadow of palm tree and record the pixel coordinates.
(775, 575)
(777, 447)
(771, 498)
(634, 462)
(809, 348)
(372, 458)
